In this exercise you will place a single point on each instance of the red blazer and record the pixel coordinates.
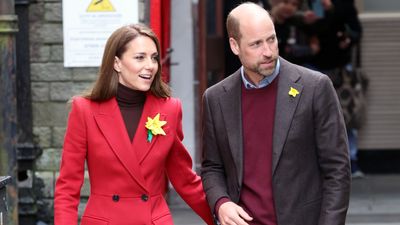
(128, 180)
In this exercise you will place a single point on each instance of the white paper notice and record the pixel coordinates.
(87, 24)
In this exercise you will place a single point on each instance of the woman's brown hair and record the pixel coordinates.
(105, 87)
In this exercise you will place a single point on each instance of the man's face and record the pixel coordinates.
(258, 48)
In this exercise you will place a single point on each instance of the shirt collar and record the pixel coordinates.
(264, 82)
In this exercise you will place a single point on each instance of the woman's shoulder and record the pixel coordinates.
(169, 105)
(82, 103)
(168, 101)
(79, 99)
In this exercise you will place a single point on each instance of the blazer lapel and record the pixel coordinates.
(140, 143)
(286, 105)
(231, 102)
(111, 124)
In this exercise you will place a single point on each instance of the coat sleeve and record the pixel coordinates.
(332, 150)
(185, 181)
(213, 170)
(70, 180)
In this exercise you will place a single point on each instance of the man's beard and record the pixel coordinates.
(264, 72)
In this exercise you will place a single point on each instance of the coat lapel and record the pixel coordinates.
(140, 143)
(231, 102)
(111, 124)
(285, 107)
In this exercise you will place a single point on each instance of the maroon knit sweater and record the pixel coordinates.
(258, 112)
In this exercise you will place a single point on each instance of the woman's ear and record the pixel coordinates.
(234, 46)
(117, 64)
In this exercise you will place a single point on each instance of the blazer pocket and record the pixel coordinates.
(91, 220)
(163, 220)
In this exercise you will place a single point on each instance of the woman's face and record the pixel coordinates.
(138, 65)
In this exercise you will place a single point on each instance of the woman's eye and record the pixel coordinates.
(139, 57)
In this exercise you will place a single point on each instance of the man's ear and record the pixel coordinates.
(117, 64)
(234, 46)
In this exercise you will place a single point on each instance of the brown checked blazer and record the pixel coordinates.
(310, 163)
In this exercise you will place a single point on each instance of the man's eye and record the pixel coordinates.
(271, 39)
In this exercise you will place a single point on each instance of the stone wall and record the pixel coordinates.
(52, 86)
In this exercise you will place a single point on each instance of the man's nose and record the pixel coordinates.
(266, 51)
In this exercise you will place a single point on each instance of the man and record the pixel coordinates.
(274, 139)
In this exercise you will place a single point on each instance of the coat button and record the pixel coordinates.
(115, 198)
(145, 197)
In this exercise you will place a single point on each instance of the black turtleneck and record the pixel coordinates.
(131, 103)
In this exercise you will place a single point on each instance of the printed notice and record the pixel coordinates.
(87, 24)
(100, 6)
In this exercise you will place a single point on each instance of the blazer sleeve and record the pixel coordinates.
(185, 181)
(333, 156)
(213, 171)
(70, 180)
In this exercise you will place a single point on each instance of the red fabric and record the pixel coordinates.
(160, 22)
(258, 110)
(127, 178)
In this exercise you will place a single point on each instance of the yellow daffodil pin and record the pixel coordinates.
(154, 127)
(293, 92)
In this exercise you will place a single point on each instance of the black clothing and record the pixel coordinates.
(131, 103)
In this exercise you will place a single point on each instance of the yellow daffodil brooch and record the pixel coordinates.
(154, 127)
(293, 92)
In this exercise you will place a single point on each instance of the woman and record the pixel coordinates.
(128, 130)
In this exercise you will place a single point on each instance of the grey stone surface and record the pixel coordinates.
(80, 87)
(36, 12)
(50, 33)
(58, 136)
(61, 91)
(57, 53)
(39, 53)
(40, 91)
(49, 160)
(49, 113)
(42, 136)
(50, 72)
(84, 73)
(53, 12)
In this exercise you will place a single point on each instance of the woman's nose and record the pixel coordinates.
(151, 63)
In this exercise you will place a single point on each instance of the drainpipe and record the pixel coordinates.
(8, 107)
(27, 150)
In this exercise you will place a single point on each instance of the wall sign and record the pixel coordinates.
(88, 23)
